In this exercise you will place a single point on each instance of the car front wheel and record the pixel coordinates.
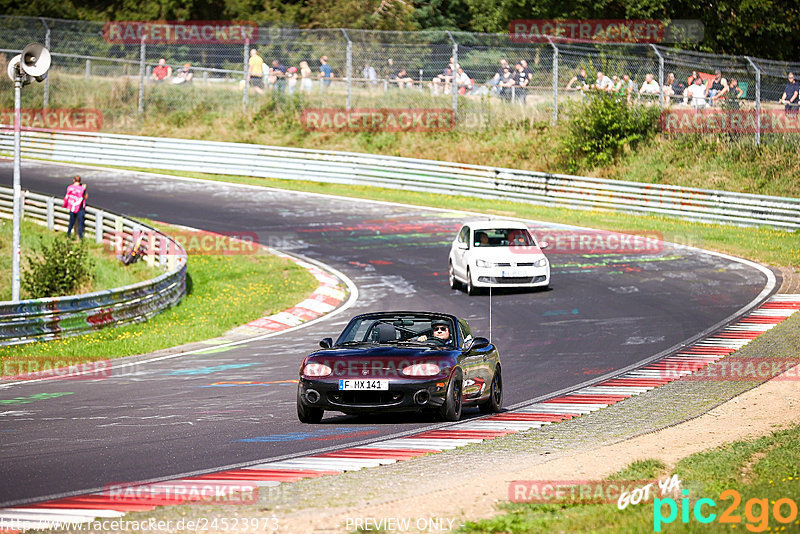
(452, 276)
(451, 409)
(471, 289)
(308, 414)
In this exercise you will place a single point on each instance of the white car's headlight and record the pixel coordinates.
(540, 263)
(483, 263)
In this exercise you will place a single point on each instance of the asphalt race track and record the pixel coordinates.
(171, 417)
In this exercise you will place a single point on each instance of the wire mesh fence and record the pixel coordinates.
(481, 79)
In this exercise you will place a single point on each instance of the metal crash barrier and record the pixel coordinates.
(56, 317)
(410, 174)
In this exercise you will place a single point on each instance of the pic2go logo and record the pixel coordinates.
(756, 511)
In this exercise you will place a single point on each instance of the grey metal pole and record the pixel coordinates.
(453, 88)
(16, 251)
(555, 80)
(46, 99)
(349, 69)
(247, 75)
(660, 75)
(758, 99)
(142, 51)
(88, 69)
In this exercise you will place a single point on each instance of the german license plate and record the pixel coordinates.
(363, 385)
(512, 273)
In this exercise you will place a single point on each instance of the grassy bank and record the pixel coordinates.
(764, 469)
(222, 292)
(504, 135)
(109, 272)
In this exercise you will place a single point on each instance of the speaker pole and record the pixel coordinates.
(16, 248)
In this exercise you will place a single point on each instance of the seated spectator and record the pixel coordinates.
(184, 74)
(463, 82)
(717, 88)
(388, 72)
(578, 82)
(626, 87)
(668, 88)
(440, 84)
(403, 79)
(697, 92)
(603, 82)
(305, 77)
(791, 95)
(616, 84)
(650, 86)
(161, 72)
(506, 83)
(495, 81)
(735, 93)
(291, 79)
(369, 74)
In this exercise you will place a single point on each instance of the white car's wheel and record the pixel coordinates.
(471, 289)
(452, 276)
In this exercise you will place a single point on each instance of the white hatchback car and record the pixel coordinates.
(497, 253)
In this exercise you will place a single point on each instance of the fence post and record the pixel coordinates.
(453, 86)
(555, 80)
(98, 226)
(349, 72)
(247, 74)
(142, 50)
(88, 68)
(46, 99)
(660, 75)
(758, 99)
(51, 223)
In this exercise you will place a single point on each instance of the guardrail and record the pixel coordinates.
(52, 318)
(411, 174)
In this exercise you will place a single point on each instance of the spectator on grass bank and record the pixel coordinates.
(735, 93)
(161, 72)
(522, 78)
(506, 83)
(277, 76)
(718, 88)
(673, 87)
(388, 73)
(75, 202)
(791, 95)
(440, 84)
(603, 82)
(698, 92)
(291, 77)
(578, 82)
(403, 79)
(305, 77)
(184, 75)
(463, 82)
(650, 86)
(369, 75)
(255, 71)
(325, 72)
(495, 81)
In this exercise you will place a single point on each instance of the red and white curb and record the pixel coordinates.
(328, 296)
(86, 508)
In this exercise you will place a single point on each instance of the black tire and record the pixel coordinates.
(451, 409)
(471, 289)
(452, 276)
(495, 402)
(308, 414)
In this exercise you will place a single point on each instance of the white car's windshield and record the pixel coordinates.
(503, 237)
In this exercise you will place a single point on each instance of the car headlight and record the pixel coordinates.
(316, 369)
(483, 263)
(540, 263)
(421, 369)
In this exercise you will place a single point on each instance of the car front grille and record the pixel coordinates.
(512, 279)
(365, 398)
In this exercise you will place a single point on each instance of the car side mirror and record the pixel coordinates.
(543, 245)
(463, 246)
(326, 343)
(478, 343)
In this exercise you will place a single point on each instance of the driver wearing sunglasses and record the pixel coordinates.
(440, 329)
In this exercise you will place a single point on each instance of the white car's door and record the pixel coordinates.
(461, 252)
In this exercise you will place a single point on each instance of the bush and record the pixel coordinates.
(58, 269)
(601, 129)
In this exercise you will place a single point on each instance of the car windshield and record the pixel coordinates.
(398, 328)
(503, 237)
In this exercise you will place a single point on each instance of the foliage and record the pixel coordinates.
(605, 127)
(58, 269)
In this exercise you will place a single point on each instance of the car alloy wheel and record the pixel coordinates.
(495, 402)
(452, 277)
(471, 289)
(451, 409)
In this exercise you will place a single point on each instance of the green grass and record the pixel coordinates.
(774, 247)
(222, 292)
(761, 468)
(109, 272)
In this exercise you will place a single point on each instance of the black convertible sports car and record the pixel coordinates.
(401, 361)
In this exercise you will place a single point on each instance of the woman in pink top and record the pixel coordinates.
(75, 202)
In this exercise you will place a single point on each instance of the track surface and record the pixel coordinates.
(167, 418)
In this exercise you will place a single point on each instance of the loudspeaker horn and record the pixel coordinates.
(35, 60)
